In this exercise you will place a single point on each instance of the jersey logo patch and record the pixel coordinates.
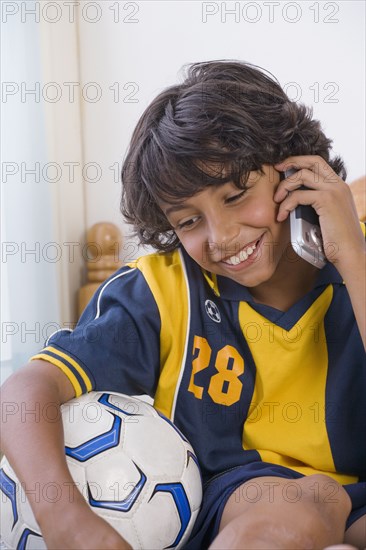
(212, 311)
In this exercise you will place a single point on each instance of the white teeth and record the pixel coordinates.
(241, 256)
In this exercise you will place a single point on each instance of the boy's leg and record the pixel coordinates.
(277, 513)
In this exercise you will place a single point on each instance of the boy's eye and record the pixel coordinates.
(187, 223)
(234, 198)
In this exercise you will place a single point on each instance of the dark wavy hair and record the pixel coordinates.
(227, 114)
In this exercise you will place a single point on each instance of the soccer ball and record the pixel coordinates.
(132, 465)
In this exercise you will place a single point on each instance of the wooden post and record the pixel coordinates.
(103, 247)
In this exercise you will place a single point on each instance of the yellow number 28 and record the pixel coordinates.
(224, 387)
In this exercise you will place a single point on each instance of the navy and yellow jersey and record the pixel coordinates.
(243, 381)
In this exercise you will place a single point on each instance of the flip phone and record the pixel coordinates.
(306, 237)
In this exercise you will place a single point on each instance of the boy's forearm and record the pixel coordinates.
(354, 278)
(32, 436)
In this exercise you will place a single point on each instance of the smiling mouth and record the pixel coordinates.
(242, 255)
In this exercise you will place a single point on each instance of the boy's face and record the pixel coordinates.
(234, 232)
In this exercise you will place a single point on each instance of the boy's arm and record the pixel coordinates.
(34, 446)
(354, 277)
(344, 242)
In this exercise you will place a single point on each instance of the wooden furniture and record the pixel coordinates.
(102, 255)
(358, 188)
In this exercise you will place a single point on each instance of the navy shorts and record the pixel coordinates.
(219, 488)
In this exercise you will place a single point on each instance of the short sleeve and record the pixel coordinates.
(115, 345)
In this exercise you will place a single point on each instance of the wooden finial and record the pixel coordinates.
(102, 255)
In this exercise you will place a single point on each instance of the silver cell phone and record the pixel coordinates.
(306, 237)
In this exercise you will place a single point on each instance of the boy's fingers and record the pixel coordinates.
(293, 200)
(315, 163)
(302, 177)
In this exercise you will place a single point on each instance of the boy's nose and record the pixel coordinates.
(223, 235)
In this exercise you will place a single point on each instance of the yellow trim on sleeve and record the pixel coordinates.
(74, 364)
(70, 375)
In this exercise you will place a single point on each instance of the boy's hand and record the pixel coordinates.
(77, 527)
(332, 199)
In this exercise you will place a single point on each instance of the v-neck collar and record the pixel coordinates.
(227, 289)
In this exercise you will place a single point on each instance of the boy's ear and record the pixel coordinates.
(269, 172)
(276, 176)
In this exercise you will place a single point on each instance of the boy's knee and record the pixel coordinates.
(321, 489)
(309, 512)
(264, 532)
(327, 506)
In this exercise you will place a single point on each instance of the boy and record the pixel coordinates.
(254, 353)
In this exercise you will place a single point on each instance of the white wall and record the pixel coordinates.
(317, 46)
(29, 283)
(42, 208)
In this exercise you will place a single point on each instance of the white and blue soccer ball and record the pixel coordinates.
(132, 465)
